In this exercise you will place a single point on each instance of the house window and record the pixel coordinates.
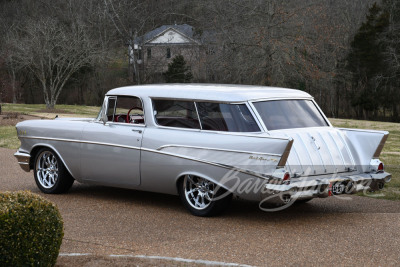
(148, 52)
(168, 53)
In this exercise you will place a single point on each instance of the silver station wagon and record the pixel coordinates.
(206, 143)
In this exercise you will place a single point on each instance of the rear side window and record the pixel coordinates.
(226, 117)
(289, 114)
(176, 113)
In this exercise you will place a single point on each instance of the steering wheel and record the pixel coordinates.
(127, 115)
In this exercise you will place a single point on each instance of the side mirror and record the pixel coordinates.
(104, 118)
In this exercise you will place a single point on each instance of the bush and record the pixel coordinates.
(31, 230)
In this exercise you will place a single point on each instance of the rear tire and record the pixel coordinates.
(51, 176)
(202, 197)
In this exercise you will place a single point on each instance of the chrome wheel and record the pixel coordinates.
(199, 192)
(47, 169)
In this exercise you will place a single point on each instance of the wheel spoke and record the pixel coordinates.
(199, 192)
(197, 202)
(47, 160)
(192, 191)
(202, 201)
(47, 169)
(190, 178)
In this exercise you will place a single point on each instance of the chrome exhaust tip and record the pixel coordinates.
(338, 188)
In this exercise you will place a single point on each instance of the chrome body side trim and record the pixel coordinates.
(217, 149)
(79, 141)
(158, 151)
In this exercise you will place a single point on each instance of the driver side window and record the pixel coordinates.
(125, 109)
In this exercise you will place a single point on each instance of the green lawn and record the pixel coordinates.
(8, 137)
(390, 155)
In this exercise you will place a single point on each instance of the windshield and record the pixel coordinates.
(289, 114)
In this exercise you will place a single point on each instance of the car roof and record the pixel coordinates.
(209, 92)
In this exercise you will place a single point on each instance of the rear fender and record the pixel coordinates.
(365, 145)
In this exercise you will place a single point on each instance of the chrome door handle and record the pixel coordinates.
(139, 131)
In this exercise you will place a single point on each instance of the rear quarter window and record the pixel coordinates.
(226, 117)
(176, 113)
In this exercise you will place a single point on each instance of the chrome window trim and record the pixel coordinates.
(198, 116)
(246, 103)
(196, 100)
(115, 105)
(257, 117)
(171, 127)
(260, 130)
(280, 98)
(105, 107)
(322, 113)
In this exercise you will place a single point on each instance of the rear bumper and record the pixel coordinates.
(323, 187)
(23, 160)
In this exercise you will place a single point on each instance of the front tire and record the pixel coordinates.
(202, 197)
(51, 176)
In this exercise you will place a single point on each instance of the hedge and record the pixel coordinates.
(31, 230)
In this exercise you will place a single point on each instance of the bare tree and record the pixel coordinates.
(11, 61)
(129, 21)
(53, 52)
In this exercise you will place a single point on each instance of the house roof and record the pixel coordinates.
(184, 29)
(210, 92)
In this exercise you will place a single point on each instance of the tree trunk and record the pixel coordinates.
(395, 116)
(14, 97)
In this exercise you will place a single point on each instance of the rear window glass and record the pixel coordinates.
(226, 117)
(288, 114)
(175, 113)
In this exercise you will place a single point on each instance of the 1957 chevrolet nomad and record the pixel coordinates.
(205, 143)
